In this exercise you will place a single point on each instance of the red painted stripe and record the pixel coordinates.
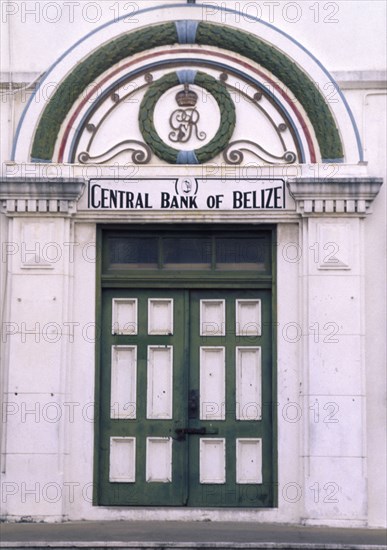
(200, 52)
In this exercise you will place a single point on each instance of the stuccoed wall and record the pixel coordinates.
(344, 35)
(347, 37)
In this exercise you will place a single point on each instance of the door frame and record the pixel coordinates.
(257, 283)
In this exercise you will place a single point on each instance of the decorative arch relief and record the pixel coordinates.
(213, 49)
(196, 114)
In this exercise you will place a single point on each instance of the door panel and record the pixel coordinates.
(186, 391)
(231, 365)
(142, 376)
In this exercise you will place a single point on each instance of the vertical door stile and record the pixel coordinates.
(141, 387)
(194, 403)
(185, 391)
(231, 428)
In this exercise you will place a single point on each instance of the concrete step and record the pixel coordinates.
(90, 545)
(177, 535)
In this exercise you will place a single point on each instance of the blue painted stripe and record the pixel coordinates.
(186, 31)
(186, 157)
(186, 76)
(151, 66)
(333, 161)
(201, 7)
(41, 161)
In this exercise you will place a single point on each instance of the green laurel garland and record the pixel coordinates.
(222, 136)
(89, 69)
(85, 73)
(306, 92)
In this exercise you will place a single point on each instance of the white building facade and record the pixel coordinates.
(192, 218)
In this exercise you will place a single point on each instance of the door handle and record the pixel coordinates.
(182, 432)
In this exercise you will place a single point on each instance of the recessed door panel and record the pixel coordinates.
(212, 463)
(248, 383)
(212, 377)
(159, 459)
(123, 382)
(249, 461)
(159, 401)
(122, 459)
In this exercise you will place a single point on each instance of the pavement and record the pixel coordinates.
(187, 534)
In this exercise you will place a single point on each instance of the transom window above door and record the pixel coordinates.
(233, 250)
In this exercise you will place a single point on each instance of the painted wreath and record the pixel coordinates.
(207, 152)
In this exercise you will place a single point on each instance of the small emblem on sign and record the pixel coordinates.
(186, 186)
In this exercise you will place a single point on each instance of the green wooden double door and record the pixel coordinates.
(186, 410)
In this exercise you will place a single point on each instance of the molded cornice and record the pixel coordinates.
(334, 196)
(32, 195)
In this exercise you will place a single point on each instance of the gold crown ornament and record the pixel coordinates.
(186, 97)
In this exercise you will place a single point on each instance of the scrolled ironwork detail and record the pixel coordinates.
(233, 154)
(233, 157)
(140, 153)
(83, 157)
(290, 157)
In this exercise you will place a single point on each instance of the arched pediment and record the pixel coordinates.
(254, 102)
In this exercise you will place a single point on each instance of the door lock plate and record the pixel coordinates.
(182, 432)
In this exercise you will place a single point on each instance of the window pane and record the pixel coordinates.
(187, 253)
(133, 253)
(236, 254)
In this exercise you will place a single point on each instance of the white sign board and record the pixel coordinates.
(186, 193)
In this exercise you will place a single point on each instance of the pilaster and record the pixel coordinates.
(332, 289)
(37, 250)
